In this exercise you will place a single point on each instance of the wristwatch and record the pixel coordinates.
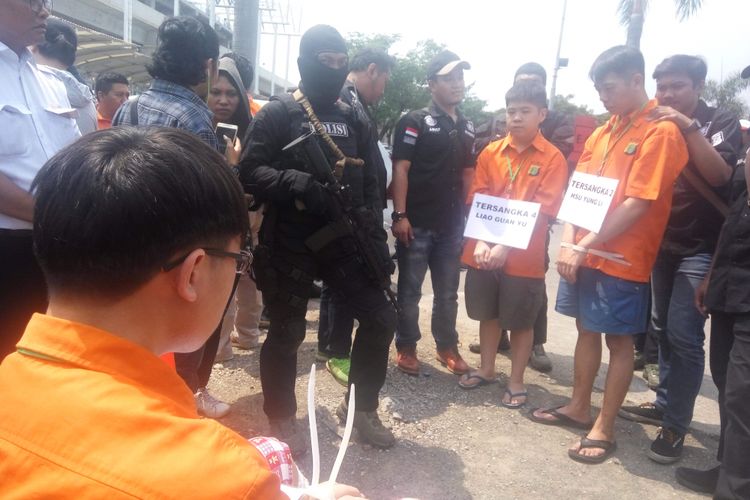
(694, 126)
(397, 216)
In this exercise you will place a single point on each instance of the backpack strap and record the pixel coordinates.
(134, 112)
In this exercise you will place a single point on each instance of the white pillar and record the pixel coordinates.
(212, 13)
(127, 20)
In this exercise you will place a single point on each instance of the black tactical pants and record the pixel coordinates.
(733, 371)
(285, 284)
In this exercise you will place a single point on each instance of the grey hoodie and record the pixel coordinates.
(81, 98)
(242, 116)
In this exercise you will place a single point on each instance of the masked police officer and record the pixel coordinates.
(298, 242)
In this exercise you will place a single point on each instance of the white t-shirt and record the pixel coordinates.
(36, 121)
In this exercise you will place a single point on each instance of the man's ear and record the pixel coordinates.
(188, 273)
(543, 113)
(372, 71)
(637, 80)
(700, 86)
(99, 96)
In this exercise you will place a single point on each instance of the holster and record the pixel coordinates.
(263, 273)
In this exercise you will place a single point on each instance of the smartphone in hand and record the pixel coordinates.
(228, 130)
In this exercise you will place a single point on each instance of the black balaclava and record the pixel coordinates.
(320, 83)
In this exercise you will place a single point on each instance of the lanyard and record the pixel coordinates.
(607, 149)
(511, 173)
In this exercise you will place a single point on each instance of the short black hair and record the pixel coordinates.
(370, 55)
(527, 91)
(104, 81)
(184, 45)
(621, 60)
(244, 68)
(692, 66)
(60, 42)
(532, 68)
(114, 207)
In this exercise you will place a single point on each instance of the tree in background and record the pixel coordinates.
(727, 94)
(407, 88)
(564, 105)
(632, 14)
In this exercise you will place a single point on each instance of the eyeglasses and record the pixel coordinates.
(243, 259)
(37, 6)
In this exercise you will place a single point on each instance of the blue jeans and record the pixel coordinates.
(441, 252)
(678, 325)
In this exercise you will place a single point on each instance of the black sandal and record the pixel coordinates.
(609, 448)
(561, 420)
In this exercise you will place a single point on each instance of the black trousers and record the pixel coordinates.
(335, 325)
(23, 290)
(648, 342)
(730, 369)
(195, 367)
(286, 292)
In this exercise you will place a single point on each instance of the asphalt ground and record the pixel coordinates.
(459, 444)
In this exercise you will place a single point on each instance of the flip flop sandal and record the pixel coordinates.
(561, 420)
(475, 376)
(511, 405)
(609, 448)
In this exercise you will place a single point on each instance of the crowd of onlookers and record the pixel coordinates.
(134, 239)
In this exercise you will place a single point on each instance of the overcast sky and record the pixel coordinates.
(498, 36)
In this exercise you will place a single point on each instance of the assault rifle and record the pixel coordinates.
(346, 218)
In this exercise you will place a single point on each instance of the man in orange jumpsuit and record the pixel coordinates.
(138, 233)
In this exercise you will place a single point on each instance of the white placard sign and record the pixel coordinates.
(502, 221)
(587, 200)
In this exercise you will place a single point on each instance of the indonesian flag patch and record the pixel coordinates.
(410, 135)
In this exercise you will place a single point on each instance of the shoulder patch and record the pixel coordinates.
(470, 126)
(717, 138)
(430, 121)
(410, 135)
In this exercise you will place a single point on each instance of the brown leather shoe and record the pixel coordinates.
(451, 359)
(406, 360)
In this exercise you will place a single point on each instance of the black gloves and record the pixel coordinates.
(316, 198)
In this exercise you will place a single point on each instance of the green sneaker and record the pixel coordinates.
(651, 376)
(339, 368)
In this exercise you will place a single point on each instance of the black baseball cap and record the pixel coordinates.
(444, 63)
(746, 72)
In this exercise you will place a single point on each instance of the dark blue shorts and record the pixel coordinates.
(604, 304)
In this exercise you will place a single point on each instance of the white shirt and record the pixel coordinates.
(36, 121)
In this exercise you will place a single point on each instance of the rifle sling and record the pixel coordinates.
(341, 159)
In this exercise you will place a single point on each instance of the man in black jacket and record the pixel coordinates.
(299, 242)
(713, 138)
(368, 74)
